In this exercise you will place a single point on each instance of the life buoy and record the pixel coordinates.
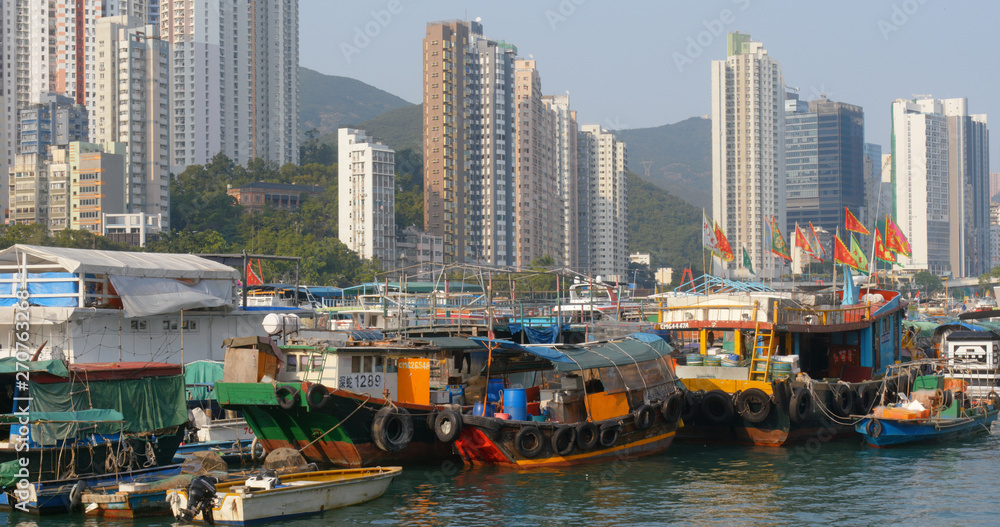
(317, 396)
(288, 396)
(692, 403)
(672, 407)
(587, 435)
(717, 406)
(753, 404)
(447, 425)
(864, 398)
(843, 399)
(874, 428)
(563, 440)
(609, 434)
(529, 441)
(392, 428)
(644, 417)
(800, 406)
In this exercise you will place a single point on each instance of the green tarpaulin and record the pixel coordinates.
(202, 373)
(55, 367)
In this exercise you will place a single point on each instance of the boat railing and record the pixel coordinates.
(713, 312)
(824, 315)
(818, 315)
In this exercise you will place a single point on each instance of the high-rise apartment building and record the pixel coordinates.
(366, 186)
(234, 79)
(132, 107)
(940, 178)
(603, 166)
(878, 192)
(565, 156)
(56, 120)
(748, 143)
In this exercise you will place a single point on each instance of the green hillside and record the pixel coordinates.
(663, 225)
(681, 154)
(327, 102)
(400, 129)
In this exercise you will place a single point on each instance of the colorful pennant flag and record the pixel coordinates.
(881, 252)
(853, 224)
(817, 248)
(802, 240)
(841, 255)
(725, 251)
(778, 244)
(747, 262)
(895, 240)
(708, 238)
(859, 255)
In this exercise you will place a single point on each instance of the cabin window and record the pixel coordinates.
(317, 362)
(303, 363)
(621, 379)
(356, 364)
(138, 325)
(366, 362)
(292, 364)
(379, 364)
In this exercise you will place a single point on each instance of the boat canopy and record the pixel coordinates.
(634, 349)
(53, 367)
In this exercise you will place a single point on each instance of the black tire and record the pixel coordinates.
(865, 398)
(644, 417)
(947, 398)
(780, 394)
(529, 441)
(800, 406)
(752, 398)
(447, 425)
(843, 399)
(890, 389)
(609, 434)
(563, 440)
(672, 407)
(874, 428)
(317, 396)
(392, 428)
(288, 396)
(76, 495)
(691, 406)
(587, 435)
(717, 407)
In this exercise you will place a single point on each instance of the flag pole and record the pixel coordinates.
(836, 235)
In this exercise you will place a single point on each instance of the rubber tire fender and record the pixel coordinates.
(671, 408)
(317, 396)
(843, 399)
(948, 397)
(587, 435)
(381, 425)
(748, 396)
(559, 436)
(609, 434)
(800, 406)
(644, 417)
(692, 405)
(447, 425)
(780, 394)
(76, 495)
(531, 433)
(717, 407)
(874, 428)
(288, 396)
(864, 398)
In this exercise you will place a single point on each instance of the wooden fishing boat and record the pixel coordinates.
(603, 400)
(269, 497)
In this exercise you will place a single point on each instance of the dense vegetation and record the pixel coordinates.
(681, 157)
(327, 102)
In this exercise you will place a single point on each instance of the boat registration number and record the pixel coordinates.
(360, 380)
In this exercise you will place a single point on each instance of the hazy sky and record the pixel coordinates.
(640, 64)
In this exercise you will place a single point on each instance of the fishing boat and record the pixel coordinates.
(939, 407)
(597, 401)
(770, 368)
(269, 497)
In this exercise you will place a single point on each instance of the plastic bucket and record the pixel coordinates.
(515, 403)
(477, 409)
(493, 389)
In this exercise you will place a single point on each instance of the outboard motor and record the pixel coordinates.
(200, 494)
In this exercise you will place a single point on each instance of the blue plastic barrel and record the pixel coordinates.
(515, 403)
(493, 389)
(477, 409)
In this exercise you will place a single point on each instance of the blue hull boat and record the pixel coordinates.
(892, 432)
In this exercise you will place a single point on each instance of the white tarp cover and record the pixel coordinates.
(143, 297)
(120, 263)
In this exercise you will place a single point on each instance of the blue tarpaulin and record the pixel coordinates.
(546, 335)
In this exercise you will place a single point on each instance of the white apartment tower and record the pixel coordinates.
(132, 107)
(748, 145)
(940, 181)
(565, 156)
(366, 183)
(603, 165)
(234, 79)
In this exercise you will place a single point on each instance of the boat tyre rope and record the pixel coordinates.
(672, 407)
(864, 399)
(563, 440)
(752, 398)
(529, 441)
(692, 403)
(76, 495)
(800, 405)
(780, 394)
(587, 435)
(609, 434)
(874, 428)
(447, 425)
(288, 396)
(717, 406)
(392, 428)
(317, 396)
(644, 417)
(257, 452)
(843, 399)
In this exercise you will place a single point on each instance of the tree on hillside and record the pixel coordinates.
(927, 282)
(314, 151)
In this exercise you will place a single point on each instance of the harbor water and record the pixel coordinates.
(842, 482)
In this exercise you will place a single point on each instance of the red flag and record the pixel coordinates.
(726, 252)
(895, 240)
(801, 241)
(842, 255)
(853, 224)
(881, 252)
(818, 249)
(252, 278)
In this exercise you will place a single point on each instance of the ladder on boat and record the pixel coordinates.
(764, 345)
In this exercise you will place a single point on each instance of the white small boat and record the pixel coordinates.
(267, 497)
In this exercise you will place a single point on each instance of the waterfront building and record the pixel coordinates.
(940, 178)
(366, 187)
(994, 184)
(420, 253)
(55, 120)
(878, 191)
(565, 152)
(132, 229)
(258, 195)
(96, 184)
(748, 144)
(603, 166)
